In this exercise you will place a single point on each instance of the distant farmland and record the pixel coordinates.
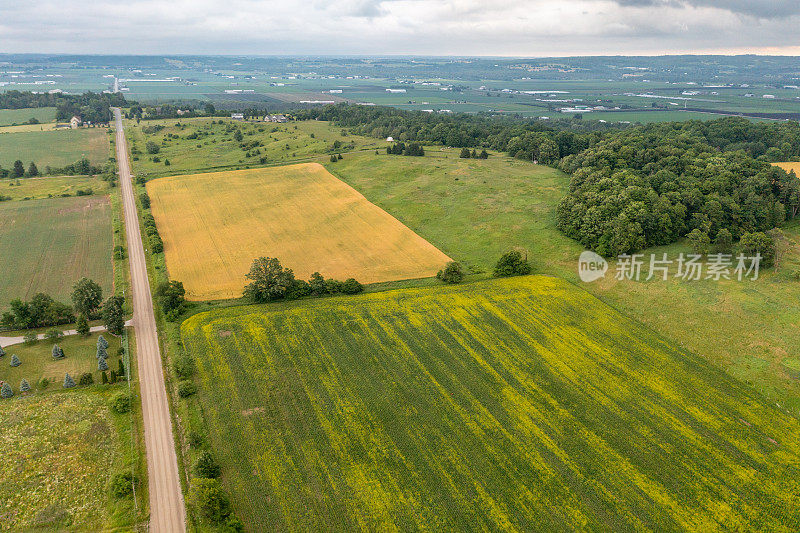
(54, 148)
(47, 245)
(518, 404)
(214, 225)
(21, 116)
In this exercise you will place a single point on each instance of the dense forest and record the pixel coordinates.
(633, 187)
(91, 107)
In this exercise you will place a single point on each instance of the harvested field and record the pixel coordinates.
(214, 225)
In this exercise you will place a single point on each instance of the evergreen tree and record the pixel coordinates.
(24, 386)
(32, 170)
(101, 353)
(464, 153)
(484, 154)
(6, 391)
(58, 353)
(101, 341)
(121, 370)
(82, 325)
(113, 377)
(104, 376)
(68, 381)
(19, 169)
(86, 379)
(102, 365)
(2, 351)
(15, 361)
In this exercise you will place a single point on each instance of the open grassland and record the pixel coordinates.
(10, 117)
(214, 225)
(60, 451)
(516, 404)
(473, 210)
(205, 144)
(47, 245)
(49, 187)
(54, 148)
(37, 360)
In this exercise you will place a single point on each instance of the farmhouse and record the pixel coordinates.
(275, 118)
(237, 116)
(75, 122)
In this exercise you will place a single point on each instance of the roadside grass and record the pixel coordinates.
(10, 117)
(213, 225)
(748, 328)
(217, 149)
(50, 187)
(47, 245)
(521, 403)
(54, 148)
(37, 361)
(60, 451)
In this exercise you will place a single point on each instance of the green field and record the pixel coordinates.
(37, 360)
(216, 148)
(747, 328)
(49, 187)
(47, 245)
(522, 404)
(10, 117)
(60, 451)
(54, 148)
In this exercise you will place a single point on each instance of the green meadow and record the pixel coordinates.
(54, 148)
(10, 117)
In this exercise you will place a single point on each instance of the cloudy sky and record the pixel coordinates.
(429, 27)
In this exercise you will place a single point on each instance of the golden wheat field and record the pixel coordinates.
(214, 225)
(789, 166)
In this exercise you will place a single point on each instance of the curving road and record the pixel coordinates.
(167, 510)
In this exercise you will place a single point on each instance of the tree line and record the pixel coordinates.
(91, 107)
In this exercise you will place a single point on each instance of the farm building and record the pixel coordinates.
(237, 116)
(75, 122)
(275, 118)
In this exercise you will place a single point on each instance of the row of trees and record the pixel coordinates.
(87, 303)
(78, 168)
(400, 148)
(269, 281)
(92, 107)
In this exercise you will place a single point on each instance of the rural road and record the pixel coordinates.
(167, 513)
(10, 341)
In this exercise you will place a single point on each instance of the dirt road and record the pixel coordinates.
(167, 513)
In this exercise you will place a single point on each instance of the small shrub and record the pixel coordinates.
(44, 383)
(121, 403)
(186, 388)
(122, 484)
(58, 353)
(452, 273)
(512, 264)
(53, 334)
(208, 498)
(24, 386)
(86, 379)
(206, 466)
(15, 362)
(351, 286)
(6, 391)
(184, 367)
(119, 252)
(30, 339)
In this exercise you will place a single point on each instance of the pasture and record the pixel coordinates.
(60, 451)
(790, 166)
(213, 226)
(523, 403)
(205, 144)
(54, 148)
(474, 210)
(50, 186)
(47, 245)
(9, 117)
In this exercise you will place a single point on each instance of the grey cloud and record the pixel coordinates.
(768, 9)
